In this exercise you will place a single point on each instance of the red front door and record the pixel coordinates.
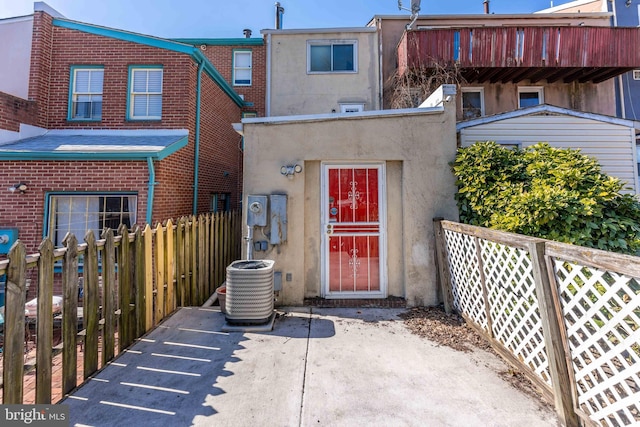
(353, 215)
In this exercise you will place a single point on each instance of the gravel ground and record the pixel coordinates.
(452, 331)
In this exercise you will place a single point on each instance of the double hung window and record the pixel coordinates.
(145, 93)
(86, 93)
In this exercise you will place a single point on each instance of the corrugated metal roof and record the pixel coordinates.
(96, 145)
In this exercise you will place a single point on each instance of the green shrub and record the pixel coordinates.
(546, 192)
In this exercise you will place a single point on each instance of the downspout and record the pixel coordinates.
(151, 190)
(196, 159)
(620, 87)
(268, 91)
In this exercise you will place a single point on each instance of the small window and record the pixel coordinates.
(220, 202)
(86, 93)
(331, 57)
(351, 108)
(529, 96)
(242, 68)
(636, 74)
(78, 213)
(249, 114)
(472, 103)
(145, 93)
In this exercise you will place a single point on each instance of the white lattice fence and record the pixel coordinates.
(515, 316)
(601, 312)
(583, 303)
(465, 277)
(510, 314)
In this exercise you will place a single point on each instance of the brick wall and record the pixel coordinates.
(222, 58)
(26, 211)
(14, 110)
(60, 48)
(40, 69)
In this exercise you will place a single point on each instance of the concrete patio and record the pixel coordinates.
(338, 367)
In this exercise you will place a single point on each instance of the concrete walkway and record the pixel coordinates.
(336, 367)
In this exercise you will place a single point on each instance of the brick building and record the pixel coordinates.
(116, 127)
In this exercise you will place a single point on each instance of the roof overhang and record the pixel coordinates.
(97, 145)
(548, 109)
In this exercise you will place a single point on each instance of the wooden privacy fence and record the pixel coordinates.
(567, 316)
(131, 282)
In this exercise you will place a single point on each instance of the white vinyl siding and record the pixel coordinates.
(145, 97)
(611, 144)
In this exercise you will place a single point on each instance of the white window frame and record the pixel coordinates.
(479, 90)
(636, 74)
(238, 68)
(132, 94)
(352, 107)
(332, 43)
(75, 93)
(531, 89)
(85, 213)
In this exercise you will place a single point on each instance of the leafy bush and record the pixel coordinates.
(552, 193)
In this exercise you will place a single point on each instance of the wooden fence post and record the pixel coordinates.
(444, 276)
(146, 280)
(181, 292)
(171, 267)
(193, 258)
(554, 337)
(108, 299)
(124, 289)
(160, 255)
(70, 314)
(202, 260)
(91, 304)
(44, 353)
(14, 324)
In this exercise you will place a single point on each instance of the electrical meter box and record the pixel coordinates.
(256, 210)
(8, 237)
(278, 218)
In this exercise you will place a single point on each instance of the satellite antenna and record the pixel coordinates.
(415, 9)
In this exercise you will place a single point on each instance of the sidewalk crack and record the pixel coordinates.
(304, 372)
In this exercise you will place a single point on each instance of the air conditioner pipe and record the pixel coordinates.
(249, 240)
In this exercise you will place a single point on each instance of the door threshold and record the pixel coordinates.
(389, 302)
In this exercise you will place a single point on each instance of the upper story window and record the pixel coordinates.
(242, 67)
(528, 96)
(85, 98)
(636, 74)
(145, 93)
(78, 213)
(326, 56)
(472, 102)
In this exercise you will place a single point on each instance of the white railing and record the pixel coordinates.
(567, 316)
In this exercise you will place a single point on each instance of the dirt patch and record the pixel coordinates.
(452, 331)
(445, 329)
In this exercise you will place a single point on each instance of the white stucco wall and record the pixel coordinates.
(293, 91)
(15, 55)
(415, 145)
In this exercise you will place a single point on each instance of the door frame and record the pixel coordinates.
(324, 216)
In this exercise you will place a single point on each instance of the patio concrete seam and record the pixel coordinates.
(304, 372)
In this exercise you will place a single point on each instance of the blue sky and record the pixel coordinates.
(227, 18)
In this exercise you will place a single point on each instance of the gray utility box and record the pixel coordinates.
(257, 210)
(278, 216)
